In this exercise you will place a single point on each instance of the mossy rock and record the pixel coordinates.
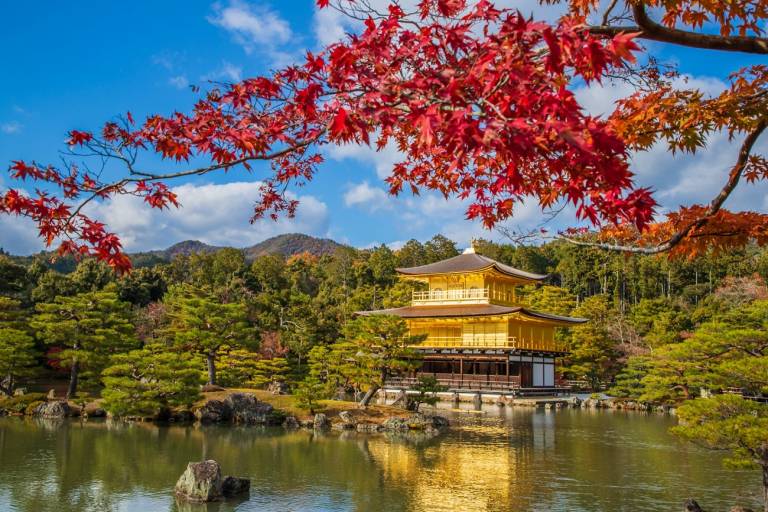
(20, 404)
(30, 410)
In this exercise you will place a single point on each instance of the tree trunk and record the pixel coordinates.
(74, 372)
(210, 360)
(369, 396)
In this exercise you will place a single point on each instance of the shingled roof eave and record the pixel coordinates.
(467, 311)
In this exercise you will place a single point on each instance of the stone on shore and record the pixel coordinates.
(242, 408)
(278, 388)
(321, 422)
(92, 410)
(245, 409)
(57, 409)
(202, 482)
(213, 411)
(291, 423)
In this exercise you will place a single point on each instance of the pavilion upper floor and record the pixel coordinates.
(468, 278)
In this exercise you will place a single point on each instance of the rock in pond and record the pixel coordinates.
(690, 505)
(202, 482)
(416, 421)
(346, 417)
(291, 422)
(234, 486)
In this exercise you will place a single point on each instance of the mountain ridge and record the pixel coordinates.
(286, 245)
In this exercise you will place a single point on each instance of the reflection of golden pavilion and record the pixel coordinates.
(479, 336)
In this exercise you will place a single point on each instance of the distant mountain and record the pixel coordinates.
(286, 245)
(185, 248)
(290, 244)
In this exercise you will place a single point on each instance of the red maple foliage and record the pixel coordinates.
(476, 98)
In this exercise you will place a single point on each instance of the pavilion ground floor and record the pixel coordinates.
(488, 371)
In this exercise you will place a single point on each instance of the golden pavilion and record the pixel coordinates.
(478, 335)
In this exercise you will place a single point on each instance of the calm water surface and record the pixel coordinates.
(518, 459)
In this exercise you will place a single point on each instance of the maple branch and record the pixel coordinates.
(714, 206)
(200, 171)
(649, 29)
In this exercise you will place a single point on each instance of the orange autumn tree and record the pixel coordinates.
(660, 113)
(479, 101)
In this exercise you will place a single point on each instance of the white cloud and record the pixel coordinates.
(179, 82)
(599, 100)
(383, 160)
(227, 71)
(18, 235)
(214, 214)
(331, 26)
(682, 178)
(365, 196)
(251, 26)
(10, 127)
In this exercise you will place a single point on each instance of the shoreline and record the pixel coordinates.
(251, 407)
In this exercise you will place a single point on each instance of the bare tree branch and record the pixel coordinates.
(649, 29)
(199, 171)
(714, 206)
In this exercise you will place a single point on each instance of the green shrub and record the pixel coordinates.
(19, 404)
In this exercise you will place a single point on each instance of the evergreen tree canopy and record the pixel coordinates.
(201, 324)
(88, 328)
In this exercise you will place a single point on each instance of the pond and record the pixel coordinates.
(509, 459)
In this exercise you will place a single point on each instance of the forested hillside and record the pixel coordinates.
(638, 304)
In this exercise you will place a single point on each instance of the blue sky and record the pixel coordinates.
(78, 64)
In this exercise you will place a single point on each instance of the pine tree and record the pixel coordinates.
(309, 392)
(201, 324)
(729, 422)
(427, 388)
(382, 349)
(149, 381)
(89, 328)
(18, 354)
(241, 367)
(592, 356)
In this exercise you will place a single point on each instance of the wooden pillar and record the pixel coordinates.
(507, 357)
(461, 371)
